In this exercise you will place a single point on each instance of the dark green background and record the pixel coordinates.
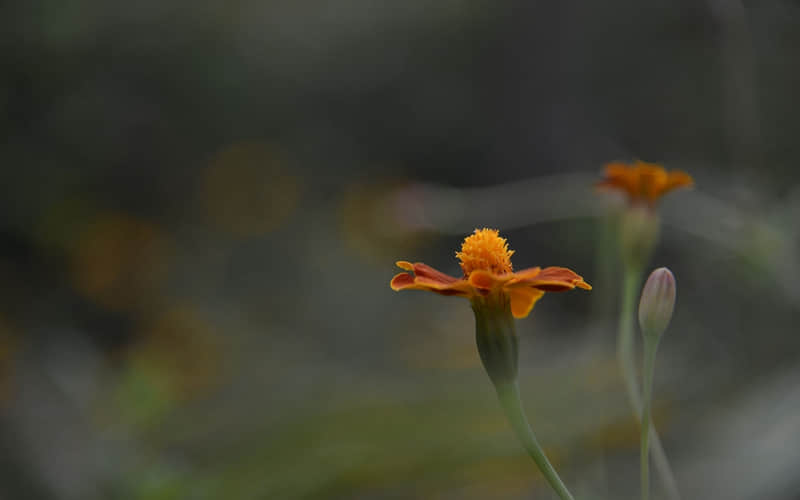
(201, 204)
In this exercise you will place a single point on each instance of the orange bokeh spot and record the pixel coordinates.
(247, 191)
(120, 261)
(642, 181)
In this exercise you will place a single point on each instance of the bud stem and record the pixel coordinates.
(625, 357)
(512, 405)
(650, 348)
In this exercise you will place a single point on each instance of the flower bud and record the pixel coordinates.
(657, 302)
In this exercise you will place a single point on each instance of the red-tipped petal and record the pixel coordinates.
(402, 281)
(404, 264)
(427, 271)
(555, 279)
(428, 278)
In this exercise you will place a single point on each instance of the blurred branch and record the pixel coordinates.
(451, 211)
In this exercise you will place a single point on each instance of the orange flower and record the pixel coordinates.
(486, 264)
(643, 182)
(497, 295)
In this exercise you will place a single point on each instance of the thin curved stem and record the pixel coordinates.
(625, 356)
(512, 405)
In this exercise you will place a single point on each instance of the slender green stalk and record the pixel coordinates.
(650, 347)
(625, 356)
(630, 285)
(512, 405)
(496, 339)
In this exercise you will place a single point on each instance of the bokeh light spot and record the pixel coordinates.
(247, 190)
(120, 262)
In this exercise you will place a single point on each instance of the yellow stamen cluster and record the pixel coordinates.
(485, 249)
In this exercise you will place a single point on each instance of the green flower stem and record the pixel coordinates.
(625, 356)
(512, 405)
(650, 348)
(631, 280)
(496, 339)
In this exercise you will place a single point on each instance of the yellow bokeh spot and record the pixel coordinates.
(182, 348)
(247, 190)
(485, 249)
(120, 261)
(369, 221)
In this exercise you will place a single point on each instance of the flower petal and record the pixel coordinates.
(486, 280)
(428, 278)
(676, 179)
(402, 281)
(405, 281)
(403, 264)
(616, 170)
(434, 285)
(620, 176)
(651, 180)
(523, 299)
(525, 274)
(427, 271)
(554, 279)
(643, 181)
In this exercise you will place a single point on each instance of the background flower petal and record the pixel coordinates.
(676, 179)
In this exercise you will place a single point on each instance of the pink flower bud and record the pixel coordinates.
(657, 302)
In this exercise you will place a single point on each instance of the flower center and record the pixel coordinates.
(485, 249)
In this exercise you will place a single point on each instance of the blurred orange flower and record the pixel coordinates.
(486, 263)
(642, 181)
